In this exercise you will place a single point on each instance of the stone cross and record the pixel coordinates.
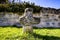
(27, 20)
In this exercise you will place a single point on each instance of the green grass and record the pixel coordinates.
(13, 33)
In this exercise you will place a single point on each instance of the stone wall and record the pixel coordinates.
(49, 18)
(8, 19)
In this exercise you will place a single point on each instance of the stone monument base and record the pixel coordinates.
(27, 29)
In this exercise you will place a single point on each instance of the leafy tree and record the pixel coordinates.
(19, 7)
(3, 1)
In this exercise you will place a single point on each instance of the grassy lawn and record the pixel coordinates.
(13, 33)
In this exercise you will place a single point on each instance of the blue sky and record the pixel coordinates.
(46, 3)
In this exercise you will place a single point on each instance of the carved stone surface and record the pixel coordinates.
(27, 19)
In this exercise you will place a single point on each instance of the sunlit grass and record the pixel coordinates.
(13, 33)
(49, 32)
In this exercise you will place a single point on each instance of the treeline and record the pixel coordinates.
(19, 7)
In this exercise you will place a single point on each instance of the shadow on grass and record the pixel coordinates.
(45, 37)
(46, 28)
(11, 26)
(33, 27)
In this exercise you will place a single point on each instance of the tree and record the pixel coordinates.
(3, 1)
(13, 1)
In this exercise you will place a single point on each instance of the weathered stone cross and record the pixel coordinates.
(27, 20)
